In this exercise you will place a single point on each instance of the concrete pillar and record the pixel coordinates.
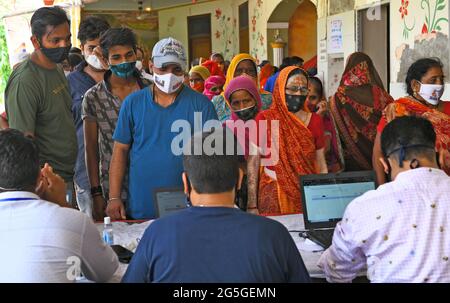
(278, 52)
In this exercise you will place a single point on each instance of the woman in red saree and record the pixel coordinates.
(317, 103)
(299, 142)
(356, 108)
(425, 86)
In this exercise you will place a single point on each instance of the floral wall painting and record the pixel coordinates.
(432, 23)
(427, 22)
(404, 14)
(257, 37)
(226, 32)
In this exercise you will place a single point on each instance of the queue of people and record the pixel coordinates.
(102, 140)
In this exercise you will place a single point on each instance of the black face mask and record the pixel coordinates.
(57, 54)
(295, 102)
(247, 113)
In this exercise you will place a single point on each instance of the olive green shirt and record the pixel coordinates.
(38, 101)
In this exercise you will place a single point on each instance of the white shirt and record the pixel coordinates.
(401, 232)
(43, 242)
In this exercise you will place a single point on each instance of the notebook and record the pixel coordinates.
(325, 198)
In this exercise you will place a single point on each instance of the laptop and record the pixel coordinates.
(168, 200)
(325, 198)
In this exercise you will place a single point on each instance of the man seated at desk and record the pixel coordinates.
(42, 239)
(213, 241)
(401, 230)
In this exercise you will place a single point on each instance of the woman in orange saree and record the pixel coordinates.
(425, 86)
(356, 108)
(298, 142)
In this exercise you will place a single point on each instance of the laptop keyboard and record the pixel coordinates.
(323, 237)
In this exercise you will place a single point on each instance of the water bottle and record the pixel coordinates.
(108, 235)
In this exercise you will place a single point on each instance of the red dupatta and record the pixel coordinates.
(357, 107)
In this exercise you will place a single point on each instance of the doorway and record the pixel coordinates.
(199, 33)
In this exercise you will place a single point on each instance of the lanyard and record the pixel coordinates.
(17, 199)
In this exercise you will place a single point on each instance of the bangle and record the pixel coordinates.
(112, 199)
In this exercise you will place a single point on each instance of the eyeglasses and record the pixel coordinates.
(251, 72)
(294, 89)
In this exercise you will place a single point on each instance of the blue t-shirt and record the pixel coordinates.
(146, 127)
(270, 83)
(80, 83)
(216, 245)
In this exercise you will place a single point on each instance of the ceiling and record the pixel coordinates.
(121, 5)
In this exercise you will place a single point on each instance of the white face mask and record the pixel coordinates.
(147, 76)
(431, 93)
(93, 61)
(168, 83)
(139, 65)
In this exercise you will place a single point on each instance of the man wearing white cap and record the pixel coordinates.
(143, 133)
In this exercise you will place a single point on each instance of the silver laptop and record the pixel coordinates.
(168, 200)
(325, 198)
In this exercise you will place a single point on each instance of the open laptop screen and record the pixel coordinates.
(326, 198)
(169, 200)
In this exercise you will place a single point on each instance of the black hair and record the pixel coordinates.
(47, 16)
(75, 50)
(415, 134)
(264, 62)
(297, 60)
(117, 36)
(19, 161)
(287, 61)
(211, 172)
(317, 84)
(418, 69)
(91, 28)
(74, 59)
(217, 55)
(312, 72)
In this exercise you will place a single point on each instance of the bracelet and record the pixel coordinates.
(112, 199)
(96, 190)
(97, 195)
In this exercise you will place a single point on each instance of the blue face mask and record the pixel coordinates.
(124, 69)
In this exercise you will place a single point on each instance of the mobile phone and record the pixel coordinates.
(124, 254)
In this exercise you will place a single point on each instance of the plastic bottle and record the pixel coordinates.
(108, 235)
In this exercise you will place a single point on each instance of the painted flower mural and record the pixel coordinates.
(432, 23)
(226, 32)
(404, 8)
(257, 37)
(404, 13)
(218, 13)
(430, 38)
